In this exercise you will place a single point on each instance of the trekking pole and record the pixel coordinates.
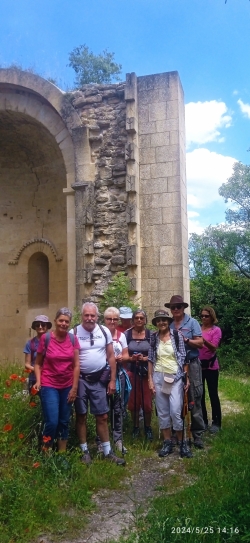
(142, 395)
(184, 413)
(112, 415)
(135, 364)
(121, 408)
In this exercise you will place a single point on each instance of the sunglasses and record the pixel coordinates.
(111, 320)
(91, 339)
(42, 324)
(205, 316)
(176, 306)
(139, 318)
(161, 319)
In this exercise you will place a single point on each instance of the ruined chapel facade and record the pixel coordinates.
(92, 182)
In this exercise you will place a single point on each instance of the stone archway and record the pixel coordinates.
(37, 168)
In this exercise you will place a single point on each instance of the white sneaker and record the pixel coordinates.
(120, 447)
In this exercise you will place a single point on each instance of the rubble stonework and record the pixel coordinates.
(93, 182)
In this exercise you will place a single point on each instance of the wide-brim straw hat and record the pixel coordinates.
(161, 313)
(176, 299)
(41, 318)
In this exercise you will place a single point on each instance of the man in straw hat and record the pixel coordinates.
(191, 331)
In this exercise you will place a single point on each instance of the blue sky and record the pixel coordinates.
(206, 41)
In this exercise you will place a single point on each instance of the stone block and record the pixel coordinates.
(131, 87)
(167, 153)
(152, 186)
(170, 256)
(161, 169)
(147, 156)
(150, 256)
(166, 125)
(145, 171)
(132, 255)
(171, 215)
(151, 217)
(132, 214)
(132, 183)
(159, 139)
(131, 125)
(150, 285)
(174, 183)
(148, 128)
(171, 283)
(144, 141)
(143, 112)
(157, 111)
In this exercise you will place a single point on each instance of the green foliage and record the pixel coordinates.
(118, 293)
(90, 68)
(77, 317)
(237, 190)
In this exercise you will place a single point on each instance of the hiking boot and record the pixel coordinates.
(136, 432)
(198, 443)
(120, 447)
(148, 433)
(86, 458)
(185, 450)
(214, 429)
(167, 448)
(206, 427)
(111, 457)
(99, 448)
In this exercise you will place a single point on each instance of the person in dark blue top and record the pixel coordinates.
(191, 331)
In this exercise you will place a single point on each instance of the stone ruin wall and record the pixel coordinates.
(113, 199)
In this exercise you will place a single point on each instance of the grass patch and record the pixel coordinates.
(41, 494)
(214, 506)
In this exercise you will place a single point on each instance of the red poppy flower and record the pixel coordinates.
(14, 377)
(7, 427)
(46, 439)
(33, 391)
(33, 404)
(6, 396)
(22, 379)
(8, 383)
(21, 436)
(36, 465)
(27, 370)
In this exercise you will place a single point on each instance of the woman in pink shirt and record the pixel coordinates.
(57, 372)
(210, 366)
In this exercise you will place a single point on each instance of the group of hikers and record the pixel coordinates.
(122, 364)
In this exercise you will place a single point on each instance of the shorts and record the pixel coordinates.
(94, 394)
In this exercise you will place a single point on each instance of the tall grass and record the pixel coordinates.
(215, 506)
(40, 494)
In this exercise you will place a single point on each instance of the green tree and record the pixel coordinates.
(118, 293)
(237, 190)
(90, 68)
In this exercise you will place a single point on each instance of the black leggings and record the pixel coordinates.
(212, 378)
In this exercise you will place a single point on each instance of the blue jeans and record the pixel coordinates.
(56, 412)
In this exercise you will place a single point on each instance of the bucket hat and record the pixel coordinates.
(41, 318)
(161, 313)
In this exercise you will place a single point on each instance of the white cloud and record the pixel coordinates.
(245, 108)
(204, 121)
(194, 227)
(192, 214)
(206, 171)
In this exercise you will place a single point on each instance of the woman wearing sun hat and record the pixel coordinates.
(41, 324)
(166, 368)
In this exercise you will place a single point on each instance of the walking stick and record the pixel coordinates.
(121, 408)
(112, 415)
(135, 364)
(184, 414)
(142, 395)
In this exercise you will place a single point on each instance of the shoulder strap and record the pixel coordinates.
(47, 340)
(128, 335)
(32, 349)
(72, 337)
(118, 336)
(104, 332)
(176, 338)
(148, 334)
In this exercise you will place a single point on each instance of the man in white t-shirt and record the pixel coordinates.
(96, 349)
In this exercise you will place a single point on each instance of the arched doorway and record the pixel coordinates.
(37, 167)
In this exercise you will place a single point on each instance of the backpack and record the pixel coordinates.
(102, 329)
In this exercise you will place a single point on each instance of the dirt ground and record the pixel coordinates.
(117, 510)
